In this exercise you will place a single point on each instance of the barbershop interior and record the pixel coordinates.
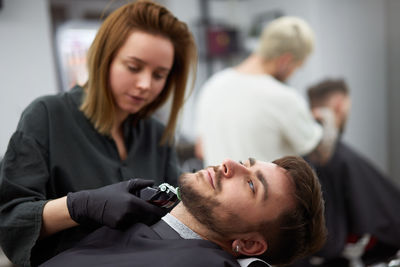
(352, 146)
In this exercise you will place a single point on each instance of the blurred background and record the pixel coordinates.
(43, 45)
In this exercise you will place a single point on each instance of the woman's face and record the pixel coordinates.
(139, 71)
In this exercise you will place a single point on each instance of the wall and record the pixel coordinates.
(352, 44)
(393, 55)
(26, 60)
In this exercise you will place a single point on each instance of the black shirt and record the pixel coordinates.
(142, 246)
(56, 150)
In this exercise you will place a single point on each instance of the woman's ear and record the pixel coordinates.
(251, 245)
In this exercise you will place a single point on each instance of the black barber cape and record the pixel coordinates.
(359, 199)
(142, 246)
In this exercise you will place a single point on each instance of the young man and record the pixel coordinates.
(248, 110)
(273, 211)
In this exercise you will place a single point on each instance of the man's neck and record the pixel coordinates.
(182, 214)
(255, 65)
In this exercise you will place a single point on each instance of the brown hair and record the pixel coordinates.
(152, 18)
(300, 231)
(319, 93)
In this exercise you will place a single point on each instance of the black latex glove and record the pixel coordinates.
(114, 205)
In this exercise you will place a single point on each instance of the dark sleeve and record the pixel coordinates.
(23, 179)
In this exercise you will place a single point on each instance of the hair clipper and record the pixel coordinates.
(164, 195)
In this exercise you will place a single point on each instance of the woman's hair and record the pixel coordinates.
(152, 18)
(298, 231)
(286, 35)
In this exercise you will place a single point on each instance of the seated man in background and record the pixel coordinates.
(360, 200)
(272, 211)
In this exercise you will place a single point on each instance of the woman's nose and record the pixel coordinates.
(144, 81)
(230, 168)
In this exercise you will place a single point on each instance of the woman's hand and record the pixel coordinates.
(114, 205)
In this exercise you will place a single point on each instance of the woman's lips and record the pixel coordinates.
(136, 99)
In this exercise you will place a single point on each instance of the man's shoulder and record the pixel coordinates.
(141, 245)
(139, 241)
(223, 73)
(280, 96)
(285, 89)
(202, 253)
(221, 77)
(183, 252)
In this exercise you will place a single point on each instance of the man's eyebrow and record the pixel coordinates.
(263, 181)
(252, 161)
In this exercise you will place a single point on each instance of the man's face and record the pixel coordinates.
(236, 197)
(343, 112)
(340, 103)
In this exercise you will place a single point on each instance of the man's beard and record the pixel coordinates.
(342, 127)
(205, 209)
(281, 75)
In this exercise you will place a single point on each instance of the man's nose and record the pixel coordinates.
(230, 168)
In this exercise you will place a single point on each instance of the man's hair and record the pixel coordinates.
(286, 35)
(320, 92)
(298, 231)
(151, 18)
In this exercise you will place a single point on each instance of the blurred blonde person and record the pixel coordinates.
(247, 110)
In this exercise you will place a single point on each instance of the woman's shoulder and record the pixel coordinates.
(55, 102)
(57, 99)
(45, 107)
(153, 124)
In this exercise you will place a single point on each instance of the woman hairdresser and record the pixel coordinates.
(92, 140)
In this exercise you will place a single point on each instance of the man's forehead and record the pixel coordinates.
(263, 164)
(270, 170)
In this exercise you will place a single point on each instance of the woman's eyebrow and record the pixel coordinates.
(133, 58)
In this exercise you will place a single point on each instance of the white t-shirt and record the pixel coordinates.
(244, 115)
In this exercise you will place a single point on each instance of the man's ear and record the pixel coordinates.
(285, 60)
(252, 244)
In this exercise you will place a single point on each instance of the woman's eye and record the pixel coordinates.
(158, 76)
(241, 162)
(133, 69)
(250, 182)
